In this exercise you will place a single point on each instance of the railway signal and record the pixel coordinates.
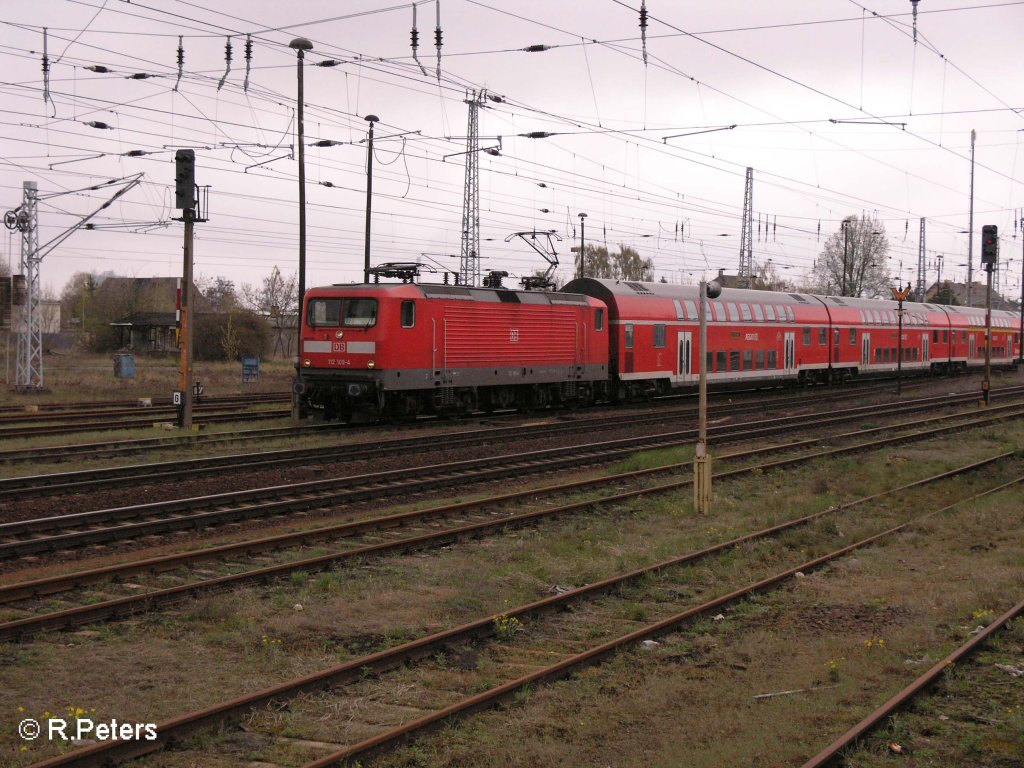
(989, 257)
(989, 246)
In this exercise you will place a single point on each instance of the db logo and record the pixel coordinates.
(513, 335)
(338, 346)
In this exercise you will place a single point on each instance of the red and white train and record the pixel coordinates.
(398, 350)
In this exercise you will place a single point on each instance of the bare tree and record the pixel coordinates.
(624, 265)
(219, 293)
(853, 261)
(278, 299)
(276, 295)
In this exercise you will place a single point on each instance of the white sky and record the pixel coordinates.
(780, 70)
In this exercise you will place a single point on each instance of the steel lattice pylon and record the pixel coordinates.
(469, 264)
(921, 274)
(746, 272)
(29, 371)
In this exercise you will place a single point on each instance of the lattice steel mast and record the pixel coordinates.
(921, 273)
(746, 273)
(469, 264)
(29, 369)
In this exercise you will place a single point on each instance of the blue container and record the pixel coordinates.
(250, 369)
(124, 366)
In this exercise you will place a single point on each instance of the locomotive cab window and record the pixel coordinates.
(323, 312)
(350, 313)
(360, 313)
(408, 314)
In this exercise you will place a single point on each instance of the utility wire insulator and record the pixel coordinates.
(537, 48)
(181, 62)
(227, 61)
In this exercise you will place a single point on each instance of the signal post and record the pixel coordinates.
(701, 458)
(186, 199)
(989, 258)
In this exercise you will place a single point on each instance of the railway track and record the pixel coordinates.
(25, 425)
(175, 580)
(503, 655)
(93, 479)
(40, 535)
(113, 448)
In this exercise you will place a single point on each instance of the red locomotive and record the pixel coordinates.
(397, 350)
(402, 349)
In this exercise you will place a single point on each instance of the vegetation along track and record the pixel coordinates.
(397, 694)
(173, 577)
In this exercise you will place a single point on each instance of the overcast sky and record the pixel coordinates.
(837, 109)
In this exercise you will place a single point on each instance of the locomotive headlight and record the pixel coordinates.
(339, 334)
(370, 364)
(307, 362)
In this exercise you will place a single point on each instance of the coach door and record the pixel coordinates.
(865, 349)
(925, 348)
(972, 344)
(790, 351)
(685, 357)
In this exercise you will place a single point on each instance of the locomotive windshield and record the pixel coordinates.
(349, 313)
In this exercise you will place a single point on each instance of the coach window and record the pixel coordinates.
(659, 335)
(691, 308)
(598, 319)
(360, 313)
(759, 359)
(789, 312)
(734, 360)
(733, 314)
(629, 335)
(323, 312)
(773, 359)
(758, 313)
(408, 314)
(807, 337)
(745, 311)
(769, 312)
(722, 359)
(945, 337)
(822, 337)
(748, 360)
(853, 337)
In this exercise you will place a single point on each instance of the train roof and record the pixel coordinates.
(458, 293)
(626, 292)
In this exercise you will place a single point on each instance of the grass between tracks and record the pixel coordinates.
(845, 637)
